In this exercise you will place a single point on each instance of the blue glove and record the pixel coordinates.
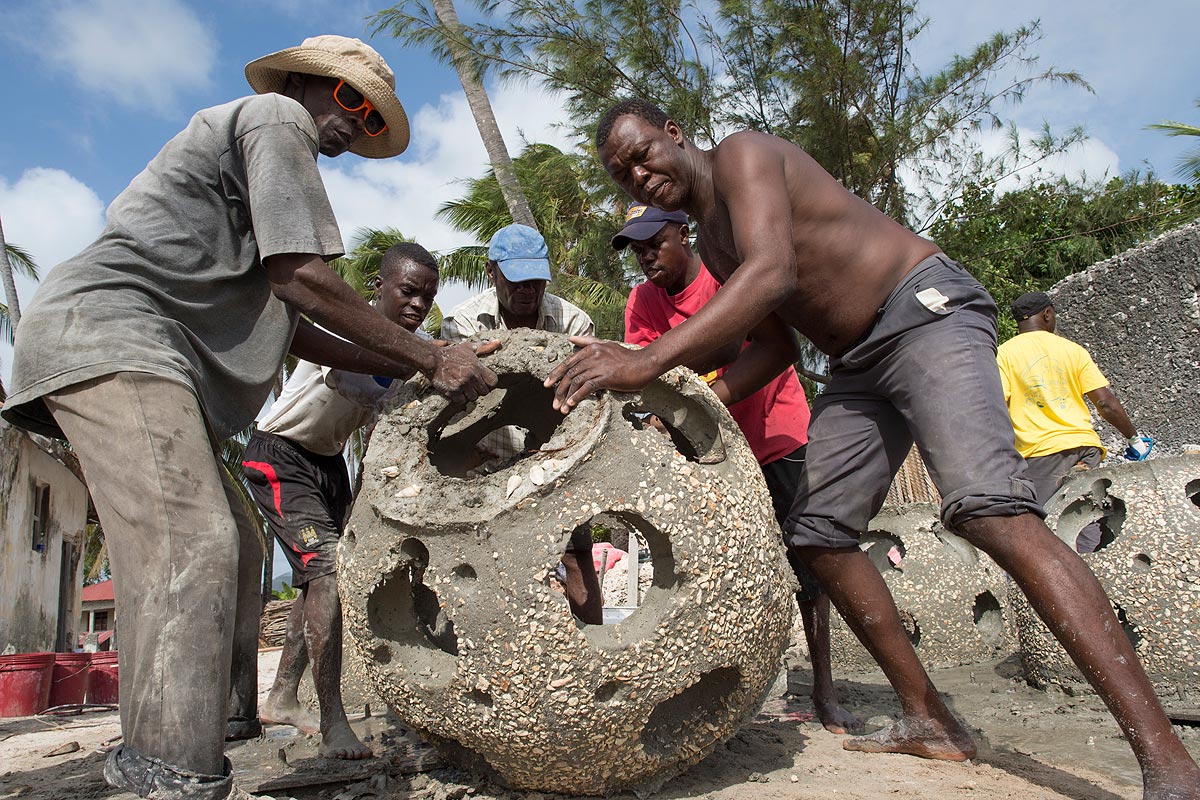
(384, 382)
(1139, 447)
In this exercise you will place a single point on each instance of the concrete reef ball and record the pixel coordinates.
(949, 594)
(1148, 563)
(446, 578)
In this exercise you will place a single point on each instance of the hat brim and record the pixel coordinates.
(269, 74)
(525, 269)
(638, 231)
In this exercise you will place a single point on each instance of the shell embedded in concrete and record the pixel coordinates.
(1148, 563)
(951, 597)
(446, 587)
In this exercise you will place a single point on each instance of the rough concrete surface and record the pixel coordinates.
(950, 596)
(1138, 314)
(444, 576)
(1148, 563)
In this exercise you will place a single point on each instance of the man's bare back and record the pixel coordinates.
(848, 254)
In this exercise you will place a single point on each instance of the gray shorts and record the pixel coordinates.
(1048, 472)
(924, 374)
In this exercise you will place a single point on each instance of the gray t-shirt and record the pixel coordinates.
(175, 284)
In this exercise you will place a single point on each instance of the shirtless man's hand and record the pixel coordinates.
(598, 365)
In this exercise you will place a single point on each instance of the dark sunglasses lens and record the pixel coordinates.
(374, 124)
(349, 97)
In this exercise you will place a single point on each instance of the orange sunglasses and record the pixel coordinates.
(351, 99)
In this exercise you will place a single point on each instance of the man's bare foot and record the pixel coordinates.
(835, 718)
(275, 712)
(918, 737)
(340, 742)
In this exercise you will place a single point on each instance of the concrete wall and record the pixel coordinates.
(29, 580)
(1138, 314)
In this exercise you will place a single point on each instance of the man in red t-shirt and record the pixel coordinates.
(774, 418)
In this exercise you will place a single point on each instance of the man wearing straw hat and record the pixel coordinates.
(165, 336)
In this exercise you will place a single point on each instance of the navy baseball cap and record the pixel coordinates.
(520, 252)
(642, 222)
(1029, 304)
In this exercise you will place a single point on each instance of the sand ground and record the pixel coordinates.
(1033, 746)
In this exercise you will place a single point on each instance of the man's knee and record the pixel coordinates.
(1000, 499)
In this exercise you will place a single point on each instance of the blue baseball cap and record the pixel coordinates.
(642, 222)
(520, 252)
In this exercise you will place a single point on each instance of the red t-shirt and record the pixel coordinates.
(774, 419)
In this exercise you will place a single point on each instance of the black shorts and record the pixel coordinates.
(783, 478)
(304, 497)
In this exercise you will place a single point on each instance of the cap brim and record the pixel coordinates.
(638, 231)
(525, 269)
(269, 74)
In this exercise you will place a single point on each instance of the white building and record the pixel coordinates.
(43, 518)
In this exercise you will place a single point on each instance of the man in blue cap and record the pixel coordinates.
(518, 266)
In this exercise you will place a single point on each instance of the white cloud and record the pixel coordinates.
(140, 53)
(406, 192)
(1088, 161)
(50, 215)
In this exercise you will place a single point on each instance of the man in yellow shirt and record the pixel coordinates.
(1046, 378)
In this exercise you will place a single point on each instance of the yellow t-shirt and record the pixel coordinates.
(1045, 379)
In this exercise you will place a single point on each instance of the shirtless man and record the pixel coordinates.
(912, 341)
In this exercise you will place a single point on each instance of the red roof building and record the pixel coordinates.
(99, 591)
(99, 615)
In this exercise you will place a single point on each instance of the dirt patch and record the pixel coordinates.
(1033, 746)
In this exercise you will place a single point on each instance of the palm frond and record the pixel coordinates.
(466, 264)
(360, 266)
(1188, 165)
(433, 321)
(6, 328)
(233, 450)
(585, 291)
(21, 261)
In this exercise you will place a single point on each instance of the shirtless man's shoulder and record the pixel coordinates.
(847, 254)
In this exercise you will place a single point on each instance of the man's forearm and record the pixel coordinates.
(1111, 410)
(741, 304)
(1115, 415)
(315, 345)
(724, 355)
(307, 284)
(771, 351)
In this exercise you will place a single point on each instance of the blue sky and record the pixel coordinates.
(93, 88)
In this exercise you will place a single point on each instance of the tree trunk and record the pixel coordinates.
(10, 286)
(485, 119)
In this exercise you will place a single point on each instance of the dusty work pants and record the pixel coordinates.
(179, 541)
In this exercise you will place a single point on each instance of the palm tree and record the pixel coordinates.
(444, 35)
(1189, 163)
(576, 222)
(12, 259)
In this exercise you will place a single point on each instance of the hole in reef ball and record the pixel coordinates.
(607, 691)
(989, 618)
(678, 715)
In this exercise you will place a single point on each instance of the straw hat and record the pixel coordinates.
(352, 61)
